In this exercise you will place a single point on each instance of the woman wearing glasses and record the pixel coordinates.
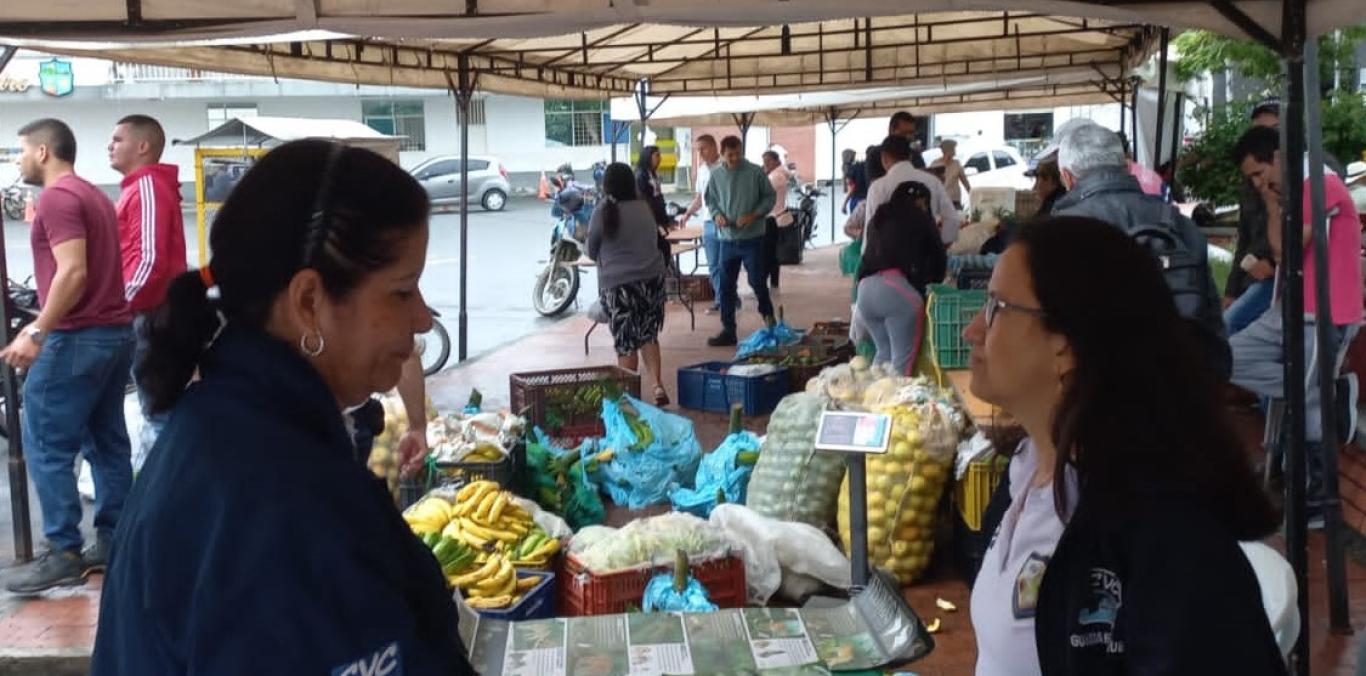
(253, 542)
(1119, 551)
(902, 255)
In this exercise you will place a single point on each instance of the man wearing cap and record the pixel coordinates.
(903, 124)
(1247, 293)
(896, 157)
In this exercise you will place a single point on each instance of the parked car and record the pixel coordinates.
(990, 167)
(440, 176)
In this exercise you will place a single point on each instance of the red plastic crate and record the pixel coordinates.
(583, 592)
(538, 394)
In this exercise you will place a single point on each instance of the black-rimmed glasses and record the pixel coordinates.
(995, 305)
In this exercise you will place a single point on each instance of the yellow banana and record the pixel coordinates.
(518, 527)
(472, 540)
(489, 568)
(495, 602)
(499, 579)
(545, 550)
(485, 506)
(470, 489)
(499, 504)
(488, 533)
(528, 583)
(452, 530)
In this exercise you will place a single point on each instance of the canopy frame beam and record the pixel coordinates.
(462, 86)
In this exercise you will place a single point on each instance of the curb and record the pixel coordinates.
(44, 662)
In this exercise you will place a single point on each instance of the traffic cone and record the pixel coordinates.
(543, 189)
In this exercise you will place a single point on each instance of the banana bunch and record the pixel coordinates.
(485, 518)
(484, 452)
(430, 515)
(454, 556)
(494, 584)
(534, 550)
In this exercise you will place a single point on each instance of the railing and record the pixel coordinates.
(136, 72)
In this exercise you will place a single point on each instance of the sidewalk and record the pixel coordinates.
(53, 634)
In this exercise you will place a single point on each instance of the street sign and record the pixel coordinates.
(854, 432)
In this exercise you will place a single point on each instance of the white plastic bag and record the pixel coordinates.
(780, 554)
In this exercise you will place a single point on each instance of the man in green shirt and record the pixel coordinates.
(739, 196)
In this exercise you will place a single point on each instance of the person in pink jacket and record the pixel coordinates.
(151, 233)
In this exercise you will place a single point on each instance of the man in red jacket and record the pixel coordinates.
(151, 232)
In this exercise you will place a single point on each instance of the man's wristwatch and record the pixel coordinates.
(35, 334)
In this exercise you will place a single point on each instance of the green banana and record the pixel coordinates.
(746, 457)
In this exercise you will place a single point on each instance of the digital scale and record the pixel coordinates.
(857, 434)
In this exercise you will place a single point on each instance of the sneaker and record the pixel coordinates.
(95, 558)
(770, 321)
(723, 339)
(52, 569)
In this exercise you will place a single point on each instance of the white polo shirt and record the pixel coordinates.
(1005, 595)
(941, 207)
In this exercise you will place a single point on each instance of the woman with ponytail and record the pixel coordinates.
(253, 542)
(623, 240)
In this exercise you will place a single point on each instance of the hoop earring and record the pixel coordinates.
(310, 351)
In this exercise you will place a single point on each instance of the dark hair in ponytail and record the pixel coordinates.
(619, 184)
(904, 237)
(306, 204)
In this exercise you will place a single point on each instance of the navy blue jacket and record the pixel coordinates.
(254, 543)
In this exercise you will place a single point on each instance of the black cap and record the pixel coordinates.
(1271, 105)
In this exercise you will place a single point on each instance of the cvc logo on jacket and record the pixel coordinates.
(1097, 618)
(383, 662)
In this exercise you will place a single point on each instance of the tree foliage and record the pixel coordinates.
(1200, 52)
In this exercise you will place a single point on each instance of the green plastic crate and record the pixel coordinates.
(951, 310)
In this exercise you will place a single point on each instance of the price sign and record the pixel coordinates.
(854, 432)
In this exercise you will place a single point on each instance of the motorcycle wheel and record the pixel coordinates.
(14, 210)
(435, 346)
(556, 287)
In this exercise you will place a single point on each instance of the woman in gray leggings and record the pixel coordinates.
(903, 254)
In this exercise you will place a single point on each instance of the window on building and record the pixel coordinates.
(1024, 126)
(398, 118)
(218, 113)
(574, 123)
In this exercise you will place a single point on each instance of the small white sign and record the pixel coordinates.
(854, 432)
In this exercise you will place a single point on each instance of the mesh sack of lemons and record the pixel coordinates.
(792, 481)
(904, 487)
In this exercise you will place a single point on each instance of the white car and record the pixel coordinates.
(989, 167)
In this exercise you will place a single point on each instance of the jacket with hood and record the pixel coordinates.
(151, 234)
(1113, 196)
(254, 543)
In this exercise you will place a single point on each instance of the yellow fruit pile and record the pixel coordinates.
(485, 518)
(384, 460)
(904, 487)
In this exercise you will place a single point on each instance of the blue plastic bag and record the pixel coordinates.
(647, 466)
(661, 596)
(719, 470)
(768, 338)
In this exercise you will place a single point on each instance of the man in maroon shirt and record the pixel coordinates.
(77, 354)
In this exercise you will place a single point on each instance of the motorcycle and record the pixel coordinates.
(434, 346)
(14, 200)
(557, 286)
(793, 240)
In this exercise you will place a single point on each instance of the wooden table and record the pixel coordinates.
(686, 240)
(983, 415)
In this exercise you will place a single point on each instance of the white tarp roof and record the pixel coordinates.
(253, 130)
(596, 48)
(1061, 88)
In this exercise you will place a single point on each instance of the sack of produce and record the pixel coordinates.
(723, 475)
(648, 452)
(652, 541)
(905, 484)
(792, 481)
(384, 456)
(558, 479)
(845, 383)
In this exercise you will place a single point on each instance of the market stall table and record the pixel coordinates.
(684, 240)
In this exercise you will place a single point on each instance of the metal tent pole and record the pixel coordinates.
(1178, 117)
(18, 470)
(1161, 97)
(1123, 112)
(1133, 116)
(744, 121)
(1327, 349)
(834, 171)
(463, 89)
(1292, 306)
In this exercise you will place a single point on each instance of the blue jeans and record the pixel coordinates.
(712, 246)
(74, 392)
(1255, 300)
(152, 423)
(750, 253)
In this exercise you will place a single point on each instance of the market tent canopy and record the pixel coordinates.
(205, 19)
(1062, 88)
(255, 131)
(900, 50)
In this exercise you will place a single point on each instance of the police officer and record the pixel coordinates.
(253, 542)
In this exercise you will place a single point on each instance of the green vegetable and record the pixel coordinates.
(746, 457)
(431, 539)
